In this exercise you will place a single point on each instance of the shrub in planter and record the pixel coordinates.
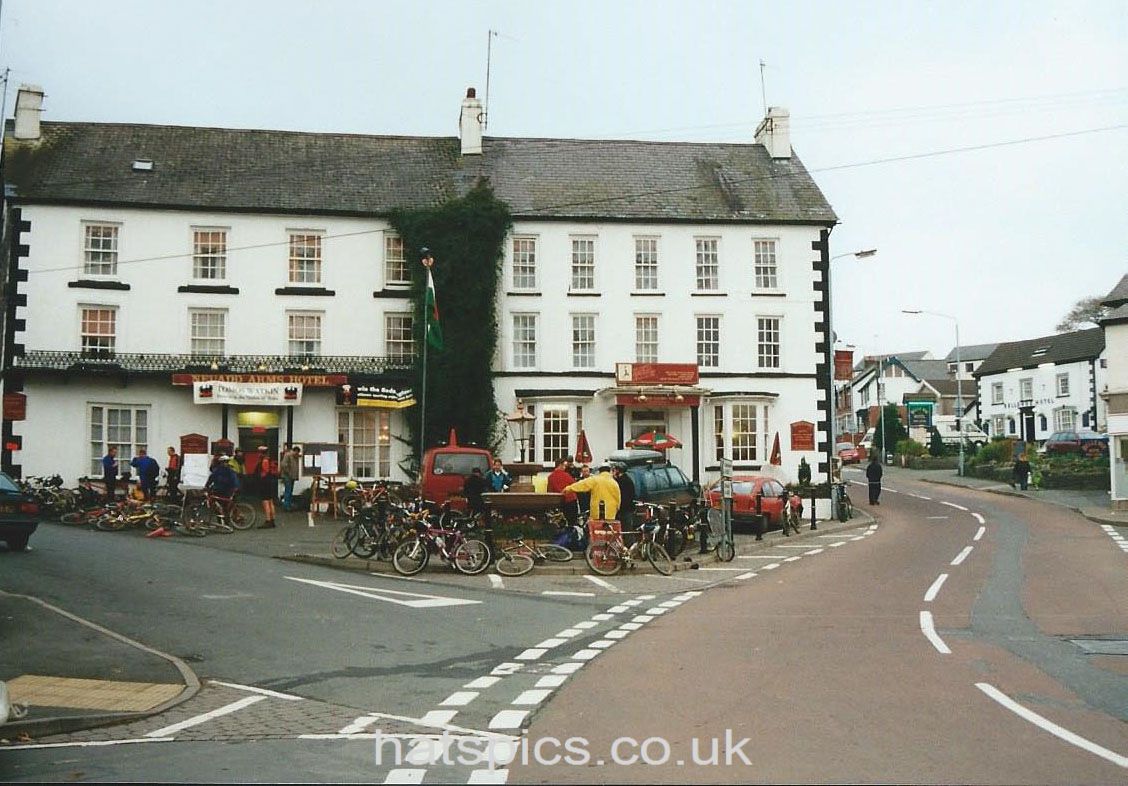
(998, 451)
(910, 447)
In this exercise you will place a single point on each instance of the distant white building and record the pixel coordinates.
(1030, 389)
(1115, 390)
(247, 285)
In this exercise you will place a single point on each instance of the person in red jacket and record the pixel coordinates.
(558, 479)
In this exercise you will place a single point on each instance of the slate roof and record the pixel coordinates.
(927, 369)
(349, 174)
(1116, 316)
(1119, 294)
(973, 352)
(1061, 348)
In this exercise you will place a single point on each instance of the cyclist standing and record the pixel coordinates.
(222, 484)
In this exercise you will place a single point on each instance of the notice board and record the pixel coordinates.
(324, 458)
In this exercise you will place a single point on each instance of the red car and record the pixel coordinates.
(850, 453)
(744, 491)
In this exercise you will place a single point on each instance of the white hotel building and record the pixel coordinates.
(245, 284)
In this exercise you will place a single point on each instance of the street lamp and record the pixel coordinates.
(519, 420)
(831, 413)
(959, 378)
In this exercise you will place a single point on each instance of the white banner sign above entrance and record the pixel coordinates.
(278, 394)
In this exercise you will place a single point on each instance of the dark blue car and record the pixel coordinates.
(19, 514)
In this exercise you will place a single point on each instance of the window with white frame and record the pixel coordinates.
(395, 263)
(209, 254)
(367, 435)
(524, 263)
(208, 331)
(305, 258)
(740, 430)
(583, 340)
(524, 341)
(768, 341)
(583, 264)
(121, 426)
(646, 263)
(1063, 384)
(996, 392)
(744, 432)
(998, 425)
(1026, 388)
(718, 432)
(399, 336)
(708, 264)
(303, 333)
(1065, 419)
(864, 396)
(98, 330)
(555, 434)
(646, 338)
(100, 249)
(708, 341)
(969, 367)
(764, 263)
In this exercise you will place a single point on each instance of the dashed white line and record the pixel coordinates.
(617, 609)
(505, 669)
(630, 626)
(586, 625)
(567, 668)
(979, 533)
(979, 518)
(413, 775)
(226, 709)
(744, 576)
(813, 552)
(585, 654)
(358, 725)
(569, 594)
(459, 698)
(86, 743)
(550, 643)
(601, 583)
(642, 618)
(602, 644)
(436, 718)
(616, 634)
(935, 588)
(602, 617)
(1048, 725)
(533, 653)
(508, 719)
(962, 555)
(839, 543)
(552, 680)
(793, 559)
(534, 696)
(497, 776)
(496, 581)
(569, 633)
(919, 496)
(929, 631)
(772, 566)
(953, 505)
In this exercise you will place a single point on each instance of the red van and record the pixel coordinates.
(446, 468)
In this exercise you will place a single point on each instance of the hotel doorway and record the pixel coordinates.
(256, 428)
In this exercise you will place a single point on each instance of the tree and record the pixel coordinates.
(936, 443)
(890, 430)
(1086, 311)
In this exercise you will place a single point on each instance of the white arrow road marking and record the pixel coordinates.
(414, 600)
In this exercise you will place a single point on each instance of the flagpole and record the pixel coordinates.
(427, 261)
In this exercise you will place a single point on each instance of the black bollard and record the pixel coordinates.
(813, 524)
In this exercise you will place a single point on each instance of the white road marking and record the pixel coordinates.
(953, 505)
(482, 682)
(533, 653)
(496, 581)
(567, 668)
(602, 617)
(671, 604)
(616, 634)
(262, 691)
(550, 643)
(835, 537)
(839, 543)
(793, 559)
(930, 633)
(630, 626)
(657, 611)
(86, 744)
(585, 654)
(428, 751)
(642, 618)
(358, 725)
(586, 625)
(979, 518)
(551, 680)
(858, 537)
(569, 633)
(1048, 725)
(617, 609)
(535, 696)
(405, 776)
(413, 600)
(726, 570)
(601, 583)
(918, 496)
(632, 602)
(505, 669)
(568, 594)
(772, 566)
(497, 776)
(226, 709)
(602, 644)
(459, 698)
(962, 555)
(647, 597)
(793, 546)
(508, 719)
(937, 518)
(769, 556)
(438, 717)
(742, 577)
(979, 534)
(935, 588)
(889, 490)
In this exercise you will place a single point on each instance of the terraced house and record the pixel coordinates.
(247, 284)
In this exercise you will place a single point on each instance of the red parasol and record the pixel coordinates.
(583, 451)
(654, 440)
(777, 454)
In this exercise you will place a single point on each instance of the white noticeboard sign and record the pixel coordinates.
(328, 462)
(726, 468)
(195, 471)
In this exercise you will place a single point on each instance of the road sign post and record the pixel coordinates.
(726, 496)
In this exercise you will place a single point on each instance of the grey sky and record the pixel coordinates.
(1006, 238)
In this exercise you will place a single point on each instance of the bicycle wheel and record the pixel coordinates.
(554, 553)
(847, 506)
(220, 525)
(657, 556)
(75, 517)
(675, 542)
(604, 558)
(471, 557)
(726, 552)
(344, 541)
(110, 523)
(350, 504)
(410, 557)
(243, 516)
(513, 563)
(365, 545)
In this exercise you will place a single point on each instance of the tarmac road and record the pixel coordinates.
(831, 676)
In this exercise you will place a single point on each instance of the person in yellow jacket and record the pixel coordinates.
(604, 490)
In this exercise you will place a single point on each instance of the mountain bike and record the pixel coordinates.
(466, 555)
(842, 502)
(520, 556)
(609, 555)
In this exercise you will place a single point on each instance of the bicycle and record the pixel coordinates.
(215, 513)
(372, 532)
(466, 555)
(713, 519)
(520, 556)
(842, 502)
(608, 556)
(789, 514)
(129, 513)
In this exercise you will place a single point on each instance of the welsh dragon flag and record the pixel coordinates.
(434, 331)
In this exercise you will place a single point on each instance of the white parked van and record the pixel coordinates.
(946, 425)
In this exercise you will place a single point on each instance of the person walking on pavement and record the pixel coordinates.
(604, 493)
(558, 480)
(110, 473)
(289, 470)
(1021, 472)
(266, 485)
(172, 472)
(626, 495)
(148, 470)
(873, 475)
(497, 478)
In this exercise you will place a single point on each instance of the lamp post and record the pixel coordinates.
(831, 414)
(959, 378)
(519, 420)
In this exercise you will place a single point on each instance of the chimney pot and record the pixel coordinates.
(29, 104)
(471, 92)
(774, 132)
(470, 124)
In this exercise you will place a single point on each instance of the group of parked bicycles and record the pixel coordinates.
(412, 532)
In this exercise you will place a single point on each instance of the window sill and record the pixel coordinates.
(88, 283)
(648, 294)
(768, 293)
(208, 289)
(520, 293)
(392, 293)
(309, 291)
(585, 293)
(708, 294)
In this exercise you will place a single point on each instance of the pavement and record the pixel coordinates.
(1093, 504)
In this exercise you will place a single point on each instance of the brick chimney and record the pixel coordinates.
(470, 124)
(29, 103)
(774, 132)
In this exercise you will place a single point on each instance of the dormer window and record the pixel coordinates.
(1040, 351)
